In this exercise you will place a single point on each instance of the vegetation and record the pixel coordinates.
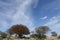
(3, 34)
(54, 33)
(59, 37)
(42, 30)
(19, 30)
(34, 36)
(8, 37)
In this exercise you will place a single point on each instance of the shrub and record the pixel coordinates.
(3, 35)
(34, 36)
(8, 37)
(38, 36)
(44, 37)
(58, 37)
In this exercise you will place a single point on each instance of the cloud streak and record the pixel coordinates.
(53, 21)
(43, 18)
(16, 13)
(36, 3)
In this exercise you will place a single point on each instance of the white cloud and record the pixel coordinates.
(43, 18)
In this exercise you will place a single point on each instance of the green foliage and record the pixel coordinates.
(34, 36)
(0, 38)
(38, 36)
(44, 37)
(8, 37)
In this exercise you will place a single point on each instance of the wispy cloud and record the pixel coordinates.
(36, 3)
(54, 24)
(43, 18)
(53, 21)
(16, 13)
(3, 23)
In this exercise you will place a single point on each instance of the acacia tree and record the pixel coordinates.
(54, 33)
(19, 29)
(42, 30)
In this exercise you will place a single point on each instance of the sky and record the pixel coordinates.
(32, 13)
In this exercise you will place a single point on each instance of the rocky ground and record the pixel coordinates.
(52, 38)
(48, 38)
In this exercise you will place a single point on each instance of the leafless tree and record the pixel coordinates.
(54, 33)
(42, 30)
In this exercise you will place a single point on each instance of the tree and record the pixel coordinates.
(3, 34)
(54, 33)
(42, 30)
(19, 29)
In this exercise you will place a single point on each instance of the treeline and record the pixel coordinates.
(21, 30)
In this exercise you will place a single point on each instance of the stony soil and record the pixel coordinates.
(48, 38)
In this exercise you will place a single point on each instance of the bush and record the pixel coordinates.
(3, 34)
(38, 36)
(58, 37)
(34, 36)
(43, 37)
(8, 37)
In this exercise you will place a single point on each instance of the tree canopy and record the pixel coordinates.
(42, 29)
(54, 33)
(18, 29)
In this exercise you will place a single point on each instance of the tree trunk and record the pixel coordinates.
(41, 34)
(20, 35)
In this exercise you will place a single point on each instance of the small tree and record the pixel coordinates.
(54, 33)
(42, 30)
(3, 34)
(19, 29)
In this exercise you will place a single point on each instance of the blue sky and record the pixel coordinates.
(32, 13)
